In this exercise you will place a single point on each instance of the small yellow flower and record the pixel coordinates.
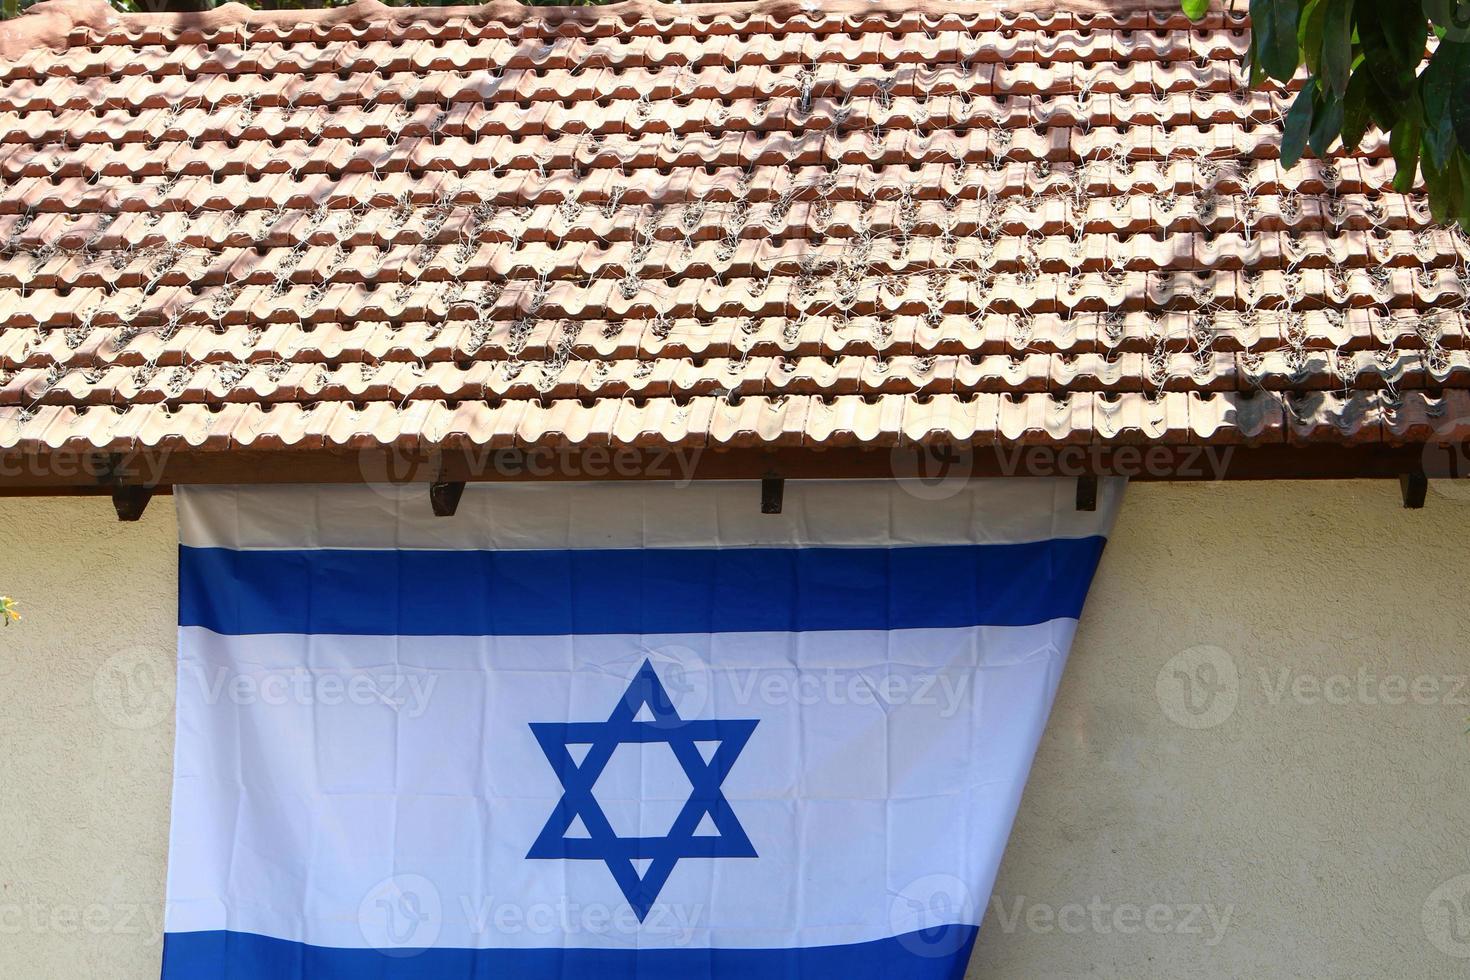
(8, 613)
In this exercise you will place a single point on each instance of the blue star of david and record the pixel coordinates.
(706, 799)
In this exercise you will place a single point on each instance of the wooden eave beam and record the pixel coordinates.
(69, 474)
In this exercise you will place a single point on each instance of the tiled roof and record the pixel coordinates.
(757, 225)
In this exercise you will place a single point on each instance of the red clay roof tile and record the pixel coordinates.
(735, 225)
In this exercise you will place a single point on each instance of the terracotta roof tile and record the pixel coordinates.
(735, 225)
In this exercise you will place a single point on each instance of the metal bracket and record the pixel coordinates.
(773, 491)
(1413, 487)
(1087, 493)
(444, 498)
(130, 502)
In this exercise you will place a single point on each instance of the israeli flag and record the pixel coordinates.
(613, 730)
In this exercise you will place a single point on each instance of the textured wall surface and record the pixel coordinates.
(86, 728)
(1256, 766)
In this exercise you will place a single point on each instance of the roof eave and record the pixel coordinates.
(71, 472)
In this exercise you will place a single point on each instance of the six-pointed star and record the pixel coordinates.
(706, 798)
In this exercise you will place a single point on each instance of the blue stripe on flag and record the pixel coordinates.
(707, 590)
(937, 954)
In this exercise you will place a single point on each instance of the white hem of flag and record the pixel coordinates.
(630, 514)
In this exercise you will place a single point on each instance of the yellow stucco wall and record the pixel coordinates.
(1274, 818)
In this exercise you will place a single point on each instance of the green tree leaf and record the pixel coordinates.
(1337, 46)
(1355, 110)
(1405, 29)
(1383, 41)
(1437, 89)
(1366, 66)
(1443, 185)
(1309, 35)
(1298, 126)
(1195, 9)
(1459, 109)
(1464, 215)
(1274, 36)
(1327, 116)
(1404, 142)
(1385, 112)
